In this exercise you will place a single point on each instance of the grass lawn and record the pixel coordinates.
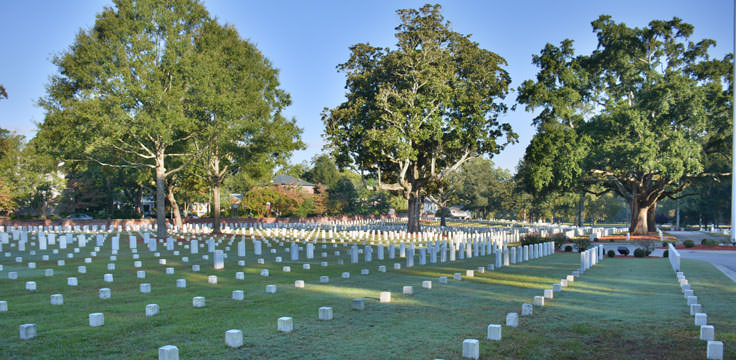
(620, 309)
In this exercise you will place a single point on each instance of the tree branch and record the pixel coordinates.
(129, 165)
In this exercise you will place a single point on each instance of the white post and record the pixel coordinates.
(733, 158)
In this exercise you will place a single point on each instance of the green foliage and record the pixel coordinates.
(607, 208)
(582, 242)
(323, 171)
(666, 253)
(255, 201)
(559, 239)
(688, 243)
(298, 170)
(127, 90)
(704, 202)
(29, 180)
(639, 252)
(536, 238)
(415, 113)
(342, 197)
(647, 244)
(654, 102)
(568, 248)
(305, 208)
(10, 161)
(239, 104)
(709, 242)
(285, 202)
(611, 253)
(532, 238)
(484, 189)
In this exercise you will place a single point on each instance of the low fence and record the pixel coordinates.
(674, 257)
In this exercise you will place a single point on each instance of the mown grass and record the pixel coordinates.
(620, 309)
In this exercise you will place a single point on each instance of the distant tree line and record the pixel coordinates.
(161, 100)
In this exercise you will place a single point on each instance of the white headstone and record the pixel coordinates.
(471, 349)
(96, 319)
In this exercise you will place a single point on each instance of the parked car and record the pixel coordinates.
(79, 217)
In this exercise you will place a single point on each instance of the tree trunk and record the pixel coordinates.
(651, 218)
(44, 203)
(216, 205)
(160, 196)
(139, 201)
(443, 217)
(581, 208)
(110, 198)
(639, 217)
(174, 207)
(415, 204)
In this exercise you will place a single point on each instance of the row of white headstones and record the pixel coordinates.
(714, 349)
(588, 258)
(97, 319)
(234, 337)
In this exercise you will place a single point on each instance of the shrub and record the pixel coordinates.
(559, 240)
(568, 248)
(666, 253)
(623, 251)
(611, 253)
(583, 243)
(531, 239)
(709, 242)
(639, 252)
(647, 245)
(688, 243)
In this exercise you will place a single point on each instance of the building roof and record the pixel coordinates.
(290, 181)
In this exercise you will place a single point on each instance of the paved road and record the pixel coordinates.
(724, 260)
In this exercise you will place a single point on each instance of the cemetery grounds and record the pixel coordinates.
(621, 308)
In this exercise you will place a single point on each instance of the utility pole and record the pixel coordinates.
(733, 137)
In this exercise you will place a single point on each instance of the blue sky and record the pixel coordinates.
(307, 39)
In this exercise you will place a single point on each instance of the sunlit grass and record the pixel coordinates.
(621, 308)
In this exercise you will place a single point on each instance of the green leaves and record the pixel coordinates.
(415, 113)
(637, 115)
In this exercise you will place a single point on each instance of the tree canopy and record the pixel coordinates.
(416, 113)
(148, 79)
(239, 105)
(638, 116)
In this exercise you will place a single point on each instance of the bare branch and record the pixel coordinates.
(132, 151)
(597, 193)
(185, 138)
(129, 165)
(466, 156)
(704, 175)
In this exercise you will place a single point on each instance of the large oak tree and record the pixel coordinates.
(148, 79)
(124, 85)
(639, 116)
(239, 103)
(414, 114)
